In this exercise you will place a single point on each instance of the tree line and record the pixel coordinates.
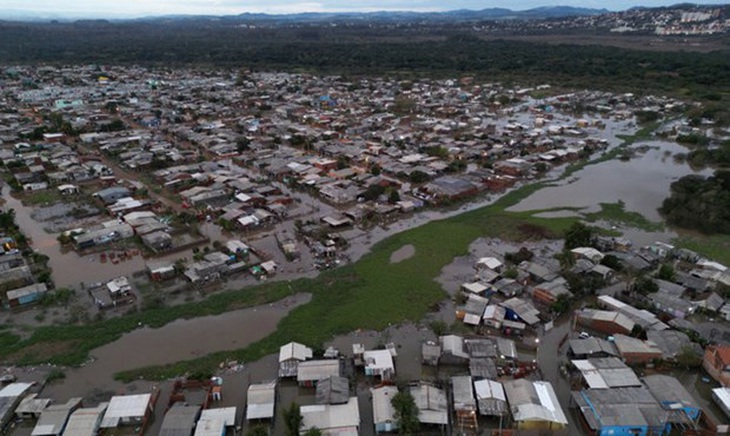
(441, 51)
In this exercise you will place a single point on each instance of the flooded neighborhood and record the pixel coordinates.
(182, 221)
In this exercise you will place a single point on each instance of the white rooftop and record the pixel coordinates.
(378, 359)
(260, 401)
(343, 419)
(85, 422)
(15, 389)
(294, 350)
(213, 422)
(125, 407)
(383, 410)
(489, 389)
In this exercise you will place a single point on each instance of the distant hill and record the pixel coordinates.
(316, 17)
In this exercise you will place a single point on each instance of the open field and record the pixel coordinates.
(631, 42)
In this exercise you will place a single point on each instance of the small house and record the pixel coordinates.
(85, 422)
(180, 420)
(431, 403)
(312, 371)
(379, 363)
(491, 400)
(127, 410)
(534, 405)
(261, 401)
(383, 410)
(290, 355)
(339, 419)
(53, 419)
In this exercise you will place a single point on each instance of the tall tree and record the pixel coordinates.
(406, 412)
(578, 235)
(293, 419)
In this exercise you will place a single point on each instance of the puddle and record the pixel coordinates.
(403, 253)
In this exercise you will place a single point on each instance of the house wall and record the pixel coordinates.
(603, 326)
(623, 431)
(539, 425)
(26, 299)
(543, 296)
(640, 358)
(382, 427)
(713, 365)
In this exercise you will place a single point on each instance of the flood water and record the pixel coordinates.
(642, 183)
(69, 269)
(176, 341)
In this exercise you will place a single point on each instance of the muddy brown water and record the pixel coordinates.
(69, 268)
(642, 183)
(176, 341)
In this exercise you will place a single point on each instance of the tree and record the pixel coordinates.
(666, 272)
(293, 419)
(612, 262)
(373, 192)
(394, 196)
(7, 219)
(688, 358)
(638, 332)
(406, 412)
(519, 256)
(511, 273)
(258, 430)
(645, 286)
(566, 259)
(418, 177)
(375, 170)
(314, 431)
(439, 327)
(578, 235)
(561, 304)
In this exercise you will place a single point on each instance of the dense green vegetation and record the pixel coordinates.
(446, 50)
(700, 203)
(701, 156)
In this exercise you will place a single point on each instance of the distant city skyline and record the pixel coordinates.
(143, 8)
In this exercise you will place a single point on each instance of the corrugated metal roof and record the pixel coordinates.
(125, 406)
(383, 410)
(463, 392)
(532, 401)
(260, 401)
(327, 417)
(213, 422)
(489, 389)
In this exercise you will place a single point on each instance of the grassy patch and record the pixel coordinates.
(715, 247)
(616, 214)
(645, 133)
(7, 339)
(40, 197)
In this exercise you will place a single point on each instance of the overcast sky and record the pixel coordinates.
(138, 8)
